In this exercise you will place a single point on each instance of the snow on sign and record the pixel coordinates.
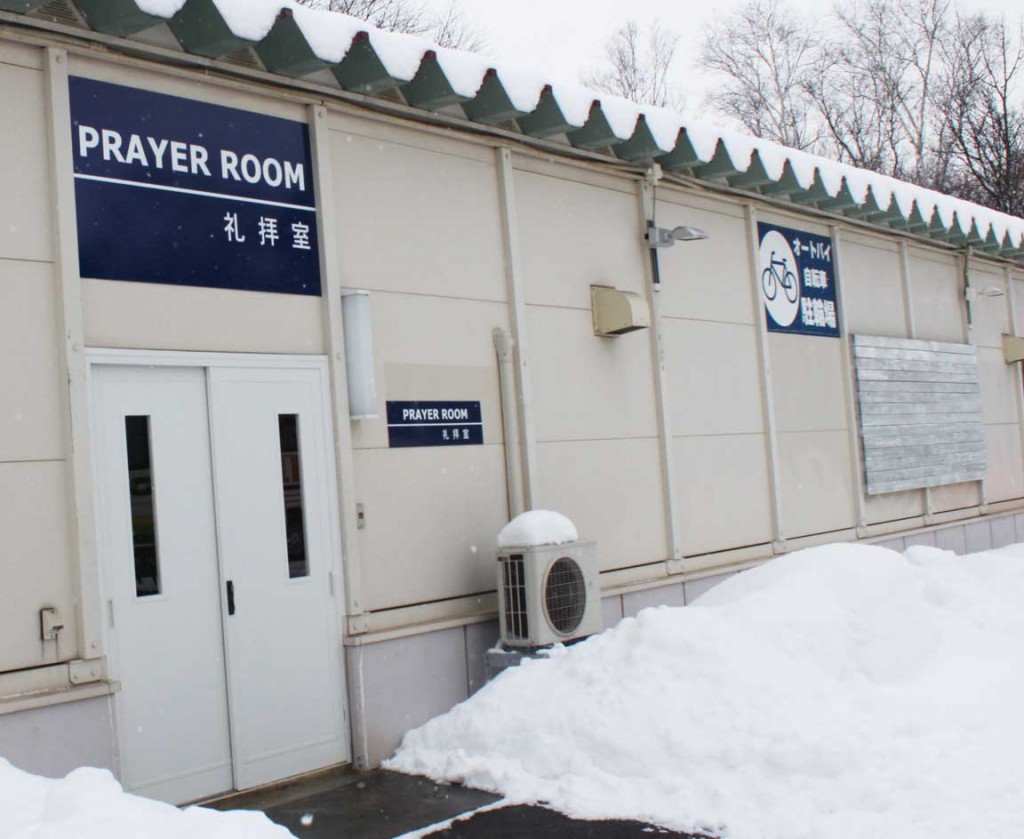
(434, 424)
(797, 281)
(169, 190)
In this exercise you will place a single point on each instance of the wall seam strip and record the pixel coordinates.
(71, 318)
(767, 384)
(330, 274)
(849, 388)
(910, 324)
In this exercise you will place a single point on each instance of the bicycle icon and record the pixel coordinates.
(778, 274)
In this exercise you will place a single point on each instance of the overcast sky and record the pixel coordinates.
(561, 37)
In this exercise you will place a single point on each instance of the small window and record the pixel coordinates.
(140, 491)
(291, 480)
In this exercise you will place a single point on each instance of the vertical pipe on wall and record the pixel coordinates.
(910, 324)
(517, 318)
(675, 564)
(504, 347)
(330, 273)
(849, 389)
(767, 385)
(70, 317)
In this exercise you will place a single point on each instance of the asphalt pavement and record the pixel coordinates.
(346, 804)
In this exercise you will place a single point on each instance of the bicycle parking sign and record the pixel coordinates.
(797, 281)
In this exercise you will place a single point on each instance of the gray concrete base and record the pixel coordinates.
(965, 537)
(399, 684)
(52, 741)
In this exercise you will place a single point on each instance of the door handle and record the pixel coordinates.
(231, 597)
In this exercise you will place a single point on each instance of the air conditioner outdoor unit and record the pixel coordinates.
(548, 594)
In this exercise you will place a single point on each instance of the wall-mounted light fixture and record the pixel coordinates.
(359, 361)
(663, 237)
(971, 293)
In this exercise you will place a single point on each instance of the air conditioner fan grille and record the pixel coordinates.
(565, 595)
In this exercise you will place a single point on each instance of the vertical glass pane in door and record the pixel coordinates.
(291, 479)
(140, 491)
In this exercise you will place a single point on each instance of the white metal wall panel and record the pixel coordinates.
(872, 295)
(704, 280)
(26, 227)
(920, 413)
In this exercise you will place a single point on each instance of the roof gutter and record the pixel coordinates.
(35, 31)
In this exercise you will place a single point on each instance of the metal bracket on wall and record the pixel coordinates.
(358, 624)
(87, 670)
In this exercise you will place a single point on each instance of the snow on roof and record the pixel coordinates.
(295, 41)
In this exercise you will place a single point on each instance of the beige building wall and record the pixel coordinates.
(813, 422)
(418, 223)
(714, 378)
(874, 291)
(36, 564)
(936, 282)
(418, 226)
(1000, 406)
(596, 424)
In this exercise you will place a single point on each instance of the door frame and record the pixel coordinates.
(110, 357)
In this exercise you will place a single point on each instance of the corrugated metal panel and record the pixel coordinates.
(203, 27)
(920, 413)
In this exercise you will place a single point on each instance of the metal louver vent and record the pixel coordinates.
(243, 57)
(565, 595)
(60, 11)
(514, 583)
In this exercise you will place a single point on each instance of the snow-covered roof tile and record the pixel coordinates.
(251, 20)
(370, 61)
(160, 8)
(330, 38)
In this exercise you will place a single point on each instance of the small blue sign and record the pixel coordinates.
(797, 280)
(434, 424)
(169, 190)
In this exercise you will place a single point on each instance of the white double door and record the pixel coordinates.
(217, 542)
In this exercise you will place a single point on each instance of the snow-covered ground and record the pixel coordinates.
(89, 804)
(843, 691)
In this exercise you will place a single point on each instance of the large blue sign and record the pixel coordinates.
(169, 190)
(434, 424)
(797, 281)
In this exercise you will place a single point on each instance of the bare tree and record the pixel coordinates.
(912, 88)
(985, 65)
(449, 28)
(875, 87)
(765, 57)
(639, 68)
(391, 15)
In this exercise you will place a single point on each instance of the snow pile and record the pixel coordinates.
(89, 804)
(537, 527)
(840, 692)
